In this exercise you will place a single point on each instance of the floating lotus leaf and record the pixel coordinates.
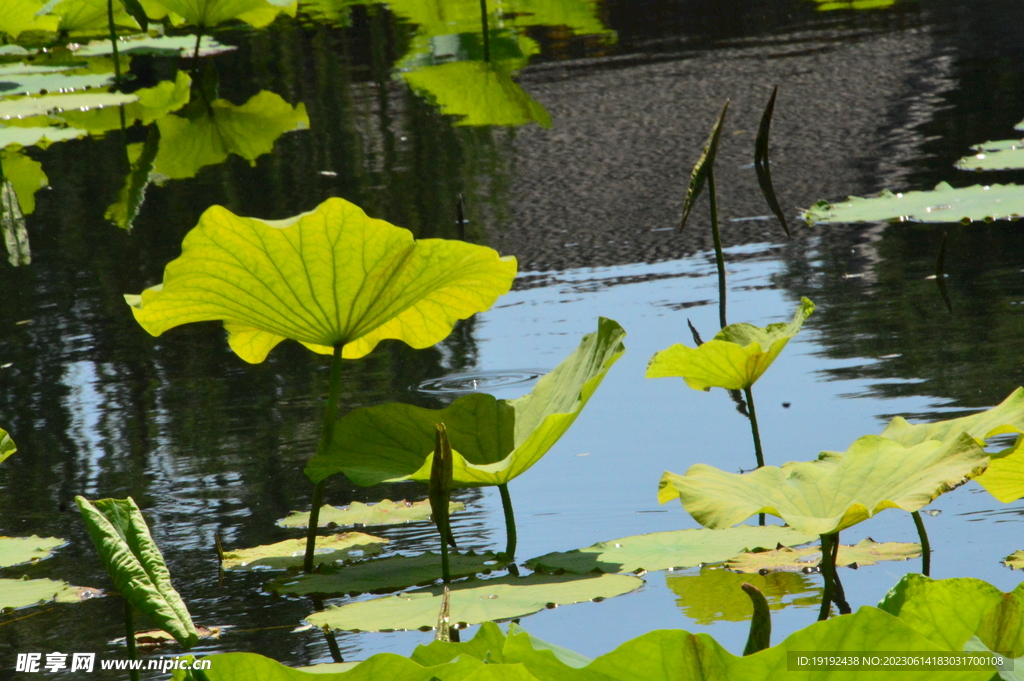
(479, 93)
(942, 204)
(162, 46)
(473, 602)
(209, 13)
(829, 5)
(1015, 561)
(42, 136)
(734, 359)
(1001, 155)
(26, 107)
(715, 594)
(152, 104)
(384, 512)
(949, 612)
(21, 550)
(866, 552)
(211, 133)
(332, 276)
(385, 574)
(7, 446)
(21, 593)
(834, 492)
(493, 441)
(23, 15)
(135, 564)
(28, 79)
(675, 549)
(289, 553)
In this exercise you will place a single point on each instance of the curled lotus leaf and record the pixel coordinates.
(785, 559)
(716, 594)
(1001, 155)
(289, 553)
(22, 593)
(357, 513)
(734, 359)
(493, 441)
(1015, 561)
(21, 550)
(942, 204)
(834, 492)
(473, 602)
(329, 277)
(7, 446)
(673, 549)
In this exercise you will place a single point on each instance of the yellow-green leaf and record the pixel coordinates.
(357, 514)
(834, 492)
(785, 559)
(21, 550)
(333, 276)
(716, 594)
(289, 553)
(1015, 561)
(7, 446)
(151, 104)
(209, 13)
(23, 15)
(734, 359)
(21, 593)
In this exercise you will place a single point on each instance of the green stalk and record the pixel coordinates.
(838, 594)
(326, 431)
(833, 587)
(719, 256)
(446, 572)
(486, 31)
(113, 42)
(510, 523)
(129, 630)
(926, 548)
(826, 594)
(757, 438)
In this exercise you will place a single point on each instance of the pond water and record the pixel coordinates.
(208, 446)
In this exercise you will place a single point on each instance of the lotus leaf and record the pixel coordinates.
(479, 93)
(152, 104)
(942, 204)
(329, 277)
(208, 13)
(1004, 478)
(26, 177)
(493, 440)
(289, 553)
(88, 16)
(1015, 561)
(164, 46)
(132, 195)
(664, 550)
(21, 593)
(28, 79)
(23, 15)
(834, 492)
(21, 550)
(386, 574)
(949, 612)
(716, 594)
(136, 565)
(473, 602)
(866, 552)
(26, 107)
(7, 446)
(463, 16)
(384, 512)
(213, 132)
(41, 136)
(1001, 155)
(734, 359)
(829, 5)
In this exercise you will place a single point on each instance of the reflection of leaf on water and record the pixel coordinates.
(716, 595)
(130, 199)
(210, 133)
(479, 93)
(23, 15)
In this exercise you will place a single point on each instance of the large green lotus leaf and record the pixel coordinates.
(25, 175)
(161, 46)
(289, 553)
(674, 549)
(493, 441)
(332, 276)
(28, 79)
(715, 594)
(834, 492)
(479, 93)
(1004, 478)
(785, 559)
(41, 136)
(1015, 561)
(209, 13)
(23, 15)
(7, 446)
(1001, 155)
(88, 16)
(385, 574)
(253, 667)
(473, 602)
(21, 593)
(21, 550)
(734, 359)
(134, 562)
(1013, 669)
(26, 107)
(1005, 418)
(384, 512)
(213, 132)
(152, 104)
(942, 204)
(951, 611)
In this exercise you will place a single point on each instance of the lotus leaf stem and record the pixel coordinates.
(332, 645)
(510, 523)
(760, 636)
(113, 43)
(326, 431)
(446, 571)
(719, 256)
(833, 592)
(926, 548)
(486, 31)
(129, 639)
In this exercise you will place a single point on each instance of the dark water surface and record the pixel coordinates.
(208, 445)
